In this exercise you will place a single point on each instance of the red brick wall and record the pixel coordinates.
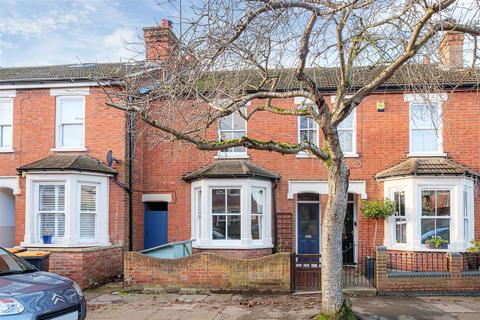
(238, 253)
(34, 137)
(89, 267)
(382, 141)
(450, 280)
(210, 271)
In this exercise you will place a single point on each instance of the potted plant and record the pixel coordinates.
(378, 210)
(436, 242)
(47, 236)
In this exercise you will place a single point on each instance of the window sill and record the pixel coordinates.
(73, 149)
(422, 249)
(6, 150)
(427, 154)
(64, 245)
(351, 155)
(232, 156)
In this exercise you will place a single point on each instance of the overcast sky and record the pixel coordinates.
(40, 32)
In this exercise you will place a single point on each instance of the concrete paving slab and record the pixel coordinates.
(218, 298)
(192, 297)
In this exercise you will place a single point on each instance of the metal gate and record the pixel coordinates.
(306, 273)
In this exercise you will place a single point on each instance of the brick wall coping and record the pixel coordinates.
(75, 249)
(207, 253)
(412, 274)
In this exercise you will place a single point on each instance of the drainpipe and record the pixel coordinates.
(274, 195)
(129, 187)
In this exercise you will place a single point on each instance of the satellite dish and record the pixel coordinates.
(111, 158)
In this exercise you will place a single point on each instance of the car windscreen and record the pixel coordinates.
(11, 264)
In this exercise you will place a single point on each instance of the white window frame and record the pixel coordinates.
(413, 187)
(431, 101)
(436, 217)
(260, 216)
(72, 180)
(205, 241)
(97, 202)
(59, 124)
(9, 146)
(224, 154)
(395, 219)
(353, 152)
(56, 211)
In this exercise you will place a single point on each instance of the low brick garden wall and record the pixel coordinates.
(89, 267)
(443, 273)
(210, 271)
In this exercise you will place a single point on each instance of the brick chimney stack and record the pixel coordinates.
(160, 41)
(451, 50)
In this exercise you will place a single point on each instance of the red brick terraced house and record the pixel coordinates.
(55, 132)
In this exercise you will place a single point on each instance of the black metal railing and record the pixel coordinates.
(417, 262)
(470, 261)
(358, 271)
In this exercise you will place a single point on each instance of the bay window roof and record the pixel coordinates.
(434, 166)
(62, 162)
(232, 169)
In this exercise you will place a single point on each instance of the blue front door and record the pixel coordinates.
(308, 228)
(155, 226)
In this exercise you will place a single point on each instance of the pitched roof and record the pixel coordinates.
(76, 162)
(231, 169)
(327, 78)
(80, 71)
(427, 167)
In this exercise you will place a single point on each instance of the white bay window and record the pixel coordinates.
(430, 207)
(71, 207)
(231, 214)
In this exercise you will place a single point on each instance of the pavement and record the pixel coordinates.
(107, 304)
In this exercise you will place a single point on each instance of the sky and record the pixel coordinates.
(43, 32)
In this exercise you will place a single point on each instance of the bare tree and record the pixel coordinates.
(235, 52)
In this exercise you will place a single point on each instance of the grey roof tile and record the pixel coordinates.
(76, 162)
(427, 167)
(231, 169)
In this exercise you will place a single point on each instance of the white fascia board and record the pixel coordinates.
(321, 187)
(419, 97)
(40, 85)
(8, 93)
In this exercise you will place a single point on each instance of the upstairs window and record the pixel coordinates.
(425, 128)
(233, 126)
(6, 123)
(347, 134)
(70, 122)
(307, 130)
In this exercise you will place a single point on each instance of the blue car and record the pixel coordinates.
(29, 294)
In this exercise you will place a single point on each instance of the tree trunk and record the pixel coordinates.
(332, 228)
